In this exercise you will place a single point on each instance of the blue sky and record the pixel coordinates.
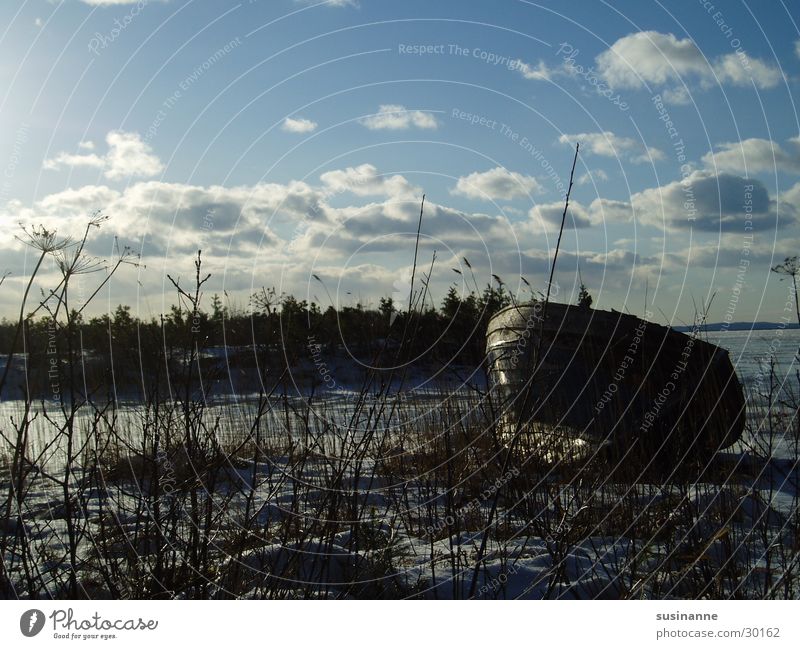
(289, 139)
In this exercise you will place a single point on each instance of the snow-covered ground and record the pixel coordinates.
(343, 497)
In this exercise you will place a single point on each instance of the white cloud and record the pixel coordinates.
(755, 155)
(538, 72)
(178, 216)
(390, 227)
(365, 180)
(86, 145)
(678, 96)
(127, 156)
(649, 57)
(591, 177)
(658, 59)
(704, 201)
(290, 230)
(496, 184)
(395, 117)
(709, 202)
(797, 48)
(298, 125)
(607, 210)
(547, 216)
(64, 159)
(611, 145)
(77, 202)
(744, 71)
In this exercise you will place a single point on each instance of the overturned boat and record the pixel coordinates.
(572, 380)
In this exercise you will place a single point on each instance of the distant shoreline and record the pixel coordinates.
(739, 326)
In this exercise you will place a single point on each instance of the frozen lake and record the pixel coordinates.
(751, 353)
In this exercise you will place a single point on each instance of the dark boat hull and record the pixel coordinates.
(606, 379)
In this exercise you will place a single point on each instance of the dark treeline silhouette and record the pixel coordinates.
(119, 350)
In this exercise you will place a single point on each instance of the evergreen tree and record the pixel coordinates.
(584, 299)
